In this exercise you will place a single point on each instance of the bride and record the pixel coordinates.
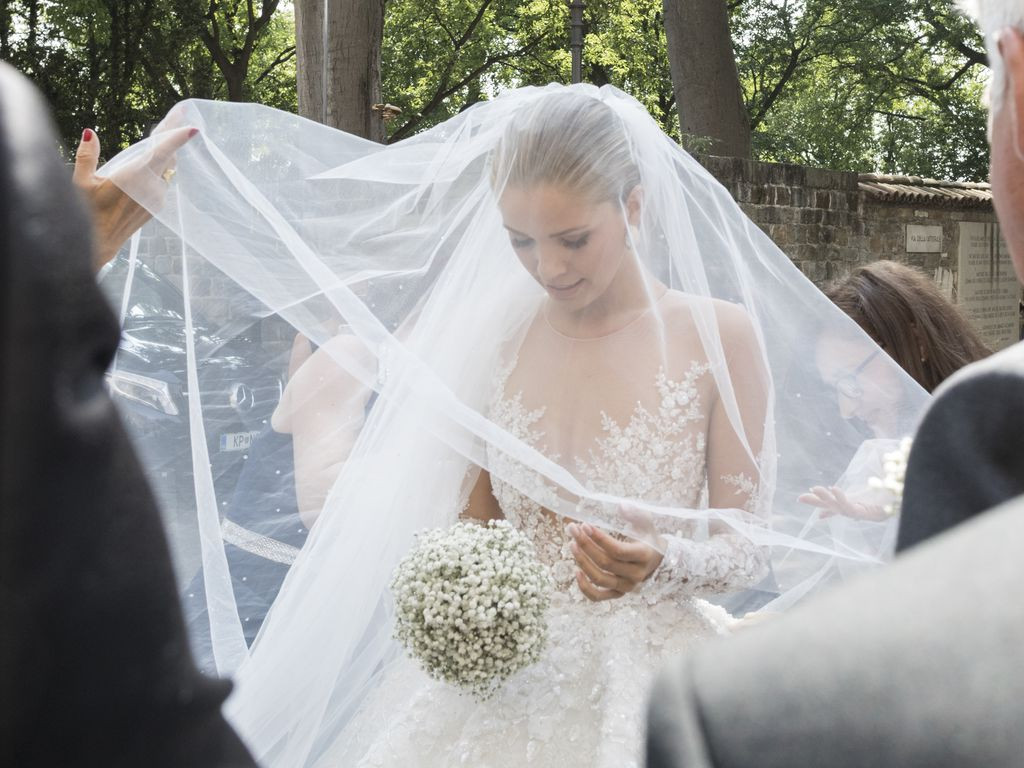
(611, 377)
(550, 314)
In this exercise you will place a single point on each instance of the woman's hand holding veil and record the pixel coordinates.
(609, 567)
(115, 214)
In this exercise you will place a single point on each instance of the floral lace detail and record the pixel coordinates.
(652, 457)
(722, 563)
(658, 457)
(745, 487)
(583, 703)
(518, 420)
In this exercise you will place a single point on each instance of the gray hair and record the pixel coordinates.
(570, 140)
(993, 16)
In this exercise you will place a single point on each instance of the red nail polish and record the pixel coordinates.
(193, 132)
(87, 135)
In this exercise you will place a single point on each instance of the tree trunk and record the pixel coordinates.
(354, 32)
(704, 76)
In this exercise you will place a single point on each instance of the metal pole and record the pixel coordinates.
(576, 38)
(323, 64)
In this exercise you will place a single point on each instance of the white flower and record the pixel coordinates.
(894, 465)
(470, 604)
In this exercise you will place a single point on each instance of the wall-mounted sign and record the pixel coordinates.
(924, 238)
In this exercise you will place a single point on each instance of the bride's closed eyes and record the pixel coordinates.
(578, 243)
(525, 242)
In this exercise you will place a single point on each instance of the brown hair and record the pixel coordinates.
(906, 314)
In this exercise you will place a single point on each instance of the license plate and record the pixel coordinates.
(237, 441)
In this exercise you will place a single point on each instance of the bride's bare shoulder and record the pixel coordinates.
(681, 310)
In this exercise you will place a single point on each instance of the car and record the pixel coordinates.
(240, 381)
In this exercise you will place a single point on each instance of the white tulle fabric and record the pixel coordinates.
(583, 702)
(685, 406)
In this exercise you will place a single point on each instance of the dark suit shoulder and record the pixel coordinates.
(968, 454)
(1007, 362)
(984, 396)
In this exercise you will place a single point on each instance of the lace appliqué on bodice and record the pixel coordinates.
(659, 457)
(582, 703)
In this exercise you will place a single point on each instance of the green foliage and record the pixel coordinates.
(872, 85)
(119, 65)
(868, 85)
(440, 57)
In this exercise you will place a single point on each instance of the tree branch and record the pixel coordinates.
(785, 77)
(281, 58)
(443, 93)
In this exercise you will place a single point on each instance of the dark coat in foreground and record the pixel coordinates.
(95, 668)
(915, 665)
(968, 455)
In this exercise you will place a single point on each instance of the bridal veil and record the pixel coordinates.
(392, 291)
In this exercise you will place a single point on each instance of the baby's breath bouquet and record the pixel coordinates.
(470, 604)
(895, 471)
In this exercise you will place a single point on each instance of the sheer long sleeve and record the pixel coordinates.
(720, 558)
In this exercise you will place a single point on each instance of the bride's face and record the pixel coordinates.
(574, 248)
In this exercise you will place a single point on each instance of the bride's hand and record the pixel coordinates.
(115, 215)
(610, 568)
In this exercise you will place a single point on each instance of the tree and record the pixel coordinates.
(119, 65)
(704, 76)
(342, 92)
(869, 85)
(231, 36)
(441, 59)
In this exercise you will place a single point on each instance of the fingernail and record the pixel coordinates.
(192, 132)
(588, 529)
(87, 135)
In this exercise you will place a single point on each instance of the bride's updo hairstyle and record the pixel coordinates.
(569, 140)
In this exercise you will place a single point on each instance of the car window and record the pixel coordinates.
(152, 296)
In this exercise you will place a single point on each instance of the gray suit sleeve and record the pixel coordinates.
(968, 455)
(675, 736)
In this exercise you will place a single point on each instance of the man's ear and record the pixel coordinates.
(1011, 48)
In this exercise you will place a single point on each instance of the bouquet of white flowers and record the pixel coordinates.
(470, 604)
(895, 470)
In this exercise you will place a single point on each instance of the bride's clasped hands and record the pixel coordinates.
(609, 567)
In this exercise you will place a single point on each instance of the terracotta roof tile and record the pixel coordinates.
(914, 189)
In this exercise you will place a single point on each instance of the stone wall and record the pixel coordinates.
(815, 216)
(829, 222)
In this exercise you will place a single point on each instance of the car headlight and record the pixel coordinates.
(153, 393)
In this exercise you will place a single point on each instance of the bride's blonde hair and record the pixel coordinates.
(569, 140)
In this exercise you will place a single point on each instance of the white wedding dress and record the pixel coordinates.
(694, 403)
(583, 703)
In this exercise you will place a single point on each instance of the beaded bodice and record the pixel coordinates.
(658, 455)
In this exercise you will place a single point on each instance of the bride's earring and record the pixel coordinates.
(630, 237)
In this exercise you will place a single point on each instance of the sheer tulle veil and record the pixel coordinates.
(389, 288)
